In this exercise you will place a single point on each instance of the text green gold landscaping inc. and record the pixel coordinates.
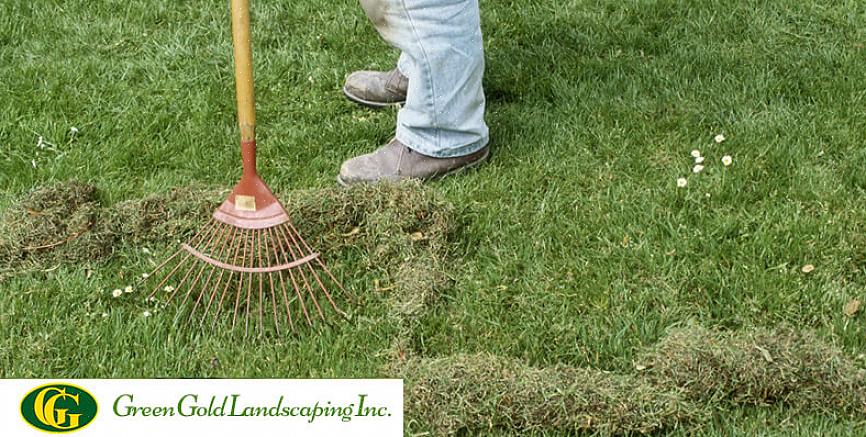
(189, 405)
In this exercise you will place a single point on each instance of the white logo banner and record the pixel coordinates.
(212, 407)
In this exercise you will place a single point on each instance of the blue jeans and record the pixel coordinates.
(443, 57)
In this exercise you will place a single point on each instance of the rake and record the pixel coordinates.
(249, 258)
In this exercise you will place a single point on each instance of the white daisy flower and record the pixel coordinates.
(145, 275)
(168, 289)
(719, 139)
(682, 182)
(696, 153)
(128, 289)
(73, 130)
(116, 293)
(146, 314)
(697, 169)
(699, 160)
(727, 160)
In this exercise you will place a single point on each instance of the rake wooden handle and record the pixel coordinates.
(243, 52)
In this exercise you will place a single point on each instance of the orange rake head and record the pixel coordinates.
(250, 259)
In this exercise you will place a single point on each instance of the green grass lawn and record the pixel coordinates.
(577, 247)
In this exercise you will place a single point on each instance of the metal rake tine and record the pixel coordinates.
(163, 264)
(188, 272)
(325, 290)
(282, 282)
(212, 243)
(249, 286)
(173, 256)
(199, 236)
(316, 276)
(304, 278)
(349, 295)
(271, 282)
(222, 249)
(322, 264)
(295, 284)
(240, 284)
(261, 283)
(212, 295)
(229, 282)
(171, 273)
(211, 228)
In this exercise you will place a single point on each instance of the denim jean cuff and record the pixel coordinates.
(418, 144)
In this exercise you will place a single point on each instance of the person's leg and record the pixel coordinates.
(441, 128)
(404, 64)
(443, 56)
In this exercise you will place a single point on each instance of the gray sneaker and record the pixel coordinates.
(376, 89)
(394, 162)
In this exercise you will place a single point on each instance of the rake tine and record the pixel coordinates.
(249, 286)
(188, 272)
(325, 290)
(304, 277)
(240, 285)
(212, 295)
(182, 281)
(315, 275)
(173, 256)
(230, 232)
(282, 282)
(312, 294)
(295, 284)
(210, 229)
(271, 283)
(171, 273)
(321, 263)
(228, 282)
(221, 233)
(261, 283)
(198, 237)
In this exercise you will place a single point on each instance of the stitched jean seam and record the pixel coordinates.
(427, 73)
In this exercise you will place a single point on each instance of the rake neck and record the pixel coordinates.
(243, 54)
(248, 154)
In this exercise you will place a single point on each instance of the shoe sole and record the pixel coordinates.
(369, 103)
(469, 166)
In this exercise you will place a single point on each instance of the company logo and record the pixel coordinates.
(58, 408)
